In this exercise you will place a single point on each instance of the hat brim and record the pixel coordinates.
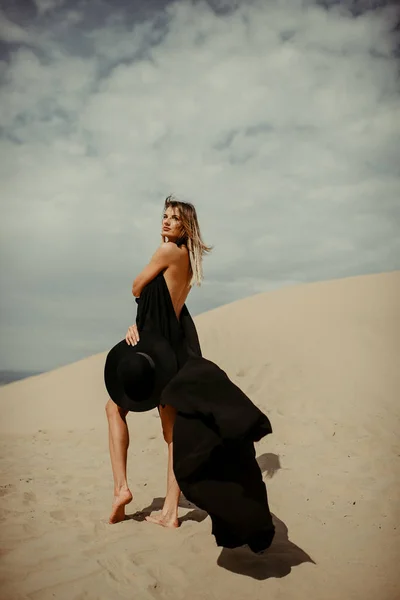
(166, 366)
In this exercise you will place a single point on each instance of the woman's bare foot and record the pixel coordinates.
(164, 520)
(121, 499)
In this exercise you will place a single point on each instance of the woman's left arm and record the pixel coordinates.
(163, 257)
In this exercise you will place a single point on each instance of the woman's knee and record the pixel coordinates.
(113, 409)
(167, 414)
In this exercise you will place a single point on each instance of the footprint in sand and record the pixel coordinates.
(29, 497)
(121, 570)
(66, 516)
(58, 515)
(7, 489)
(256, 375)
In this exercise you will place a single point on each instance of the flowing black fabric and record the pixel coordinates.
(214, 432)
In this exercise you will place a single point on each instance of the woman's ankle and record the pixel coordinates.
(170, 510)
(121, 488)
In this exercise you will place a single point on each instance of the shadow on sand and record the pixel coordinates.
(196, 514)
(280, 557)
(276, 561)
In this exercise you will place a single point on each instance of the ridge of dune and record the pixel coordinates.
(321, 359)
(313, 291)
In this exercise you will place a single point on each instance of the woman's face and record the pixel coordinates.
(171, 224)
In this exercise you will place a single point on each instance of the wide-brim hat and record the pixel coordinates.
(136, 375)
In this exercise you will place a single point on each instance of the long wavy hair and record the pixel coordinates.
(191, 237)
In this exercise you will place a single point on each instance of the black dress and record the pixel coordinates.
(215, 430)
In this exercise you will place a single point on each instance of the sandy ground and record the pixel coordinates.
(322, 361)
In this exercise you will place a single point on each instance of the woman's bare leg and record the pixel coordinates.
(169, 513)
(118, 437)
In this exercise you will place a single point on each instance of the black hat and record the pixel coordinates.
(136, 375)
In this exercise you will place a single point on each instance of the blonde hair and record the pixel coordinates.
(191, 237)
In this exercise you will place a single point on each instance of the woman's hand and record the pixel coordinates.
(132, 335)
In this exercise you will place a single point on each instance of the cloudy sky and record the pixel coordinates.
(279, 120)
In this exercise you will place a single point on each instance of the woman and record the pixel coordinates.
(209, 424)
(179, 257)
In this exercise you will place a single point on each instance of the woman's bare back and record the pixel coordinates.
(177, 277)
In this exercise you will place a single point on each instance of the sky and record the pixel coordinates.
(278, 119)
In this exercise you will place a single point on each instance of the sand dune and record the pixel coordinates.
(322, 361)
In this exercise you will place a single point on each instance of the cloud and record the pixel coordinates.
(44, 6)
(11, 32)
(280, 121)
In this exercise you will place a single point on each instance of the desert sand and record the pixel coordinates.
(321, 360)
